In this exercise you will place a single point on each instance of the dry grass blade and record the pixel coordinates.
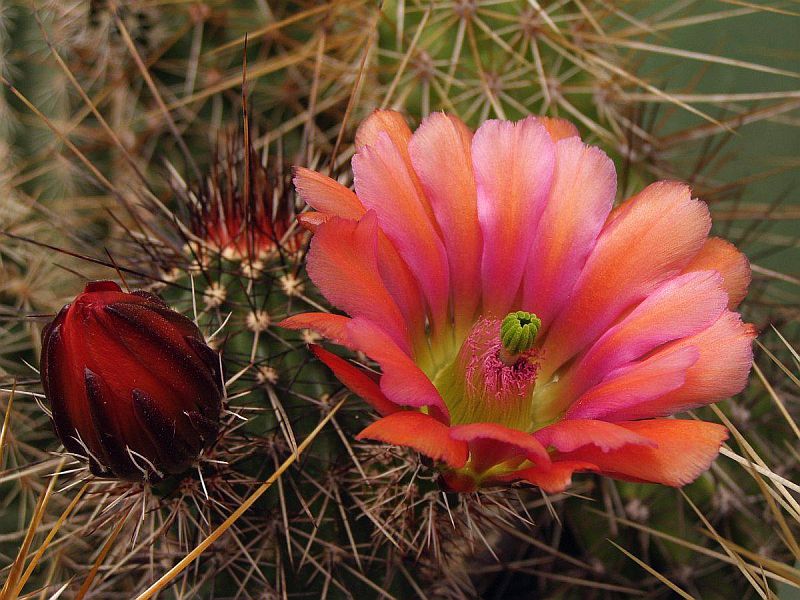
(681, 592)
(743, 567)
(776, 569)
(53, 531)
(165, 579)
(6, 421)
(369, 43)
(263, 31)
(61, 136)
(87, 583)
(404, 63)
(9, 589)
(777, 399)
(156, 94)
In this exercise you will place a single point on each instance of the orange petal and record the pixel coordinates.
(681, 307)
(356, 380)
(420, 432)
(635, 384)
(342, 262)
(571, 434)
(723, 257)
(389, 122)
(685, 449)
(391, 125)
(645, 242)
(326, 195)
(311, 219)
(559, 129)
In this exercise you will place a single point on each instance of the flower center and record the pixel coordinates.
(517, 335)
(493, 376)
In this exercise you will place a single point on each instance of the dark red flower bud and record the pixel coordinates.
(132, 385)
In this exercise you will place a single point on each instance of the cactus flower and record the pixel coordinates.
(132, 385)
(524, 328)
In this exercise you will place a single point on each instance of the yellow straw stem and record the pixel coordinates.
(164, 580)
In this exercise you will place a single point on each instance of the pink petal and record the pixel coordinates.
(491, 444)
(571, 434)
(384, 184)
(726, 355)
(513, 165)
(635, 384)
(553, 479)
(681, 307)
(584, 184)
(441, 155)
(326, 195)
(342, 262)
(402, 381)
(722, 256)
(684, 450)
(356, 380)
(420, 432)
(402, 286)
(332, 327)
(645, 242)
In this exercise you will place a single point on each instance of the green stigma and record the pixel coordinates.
(518, 332)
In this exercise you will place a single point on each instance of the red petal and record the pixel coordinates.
(332, 327)
(402, 381)
(420, 432)
(491, 444)
(356, 380)
(553, 479)
(343, 263)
